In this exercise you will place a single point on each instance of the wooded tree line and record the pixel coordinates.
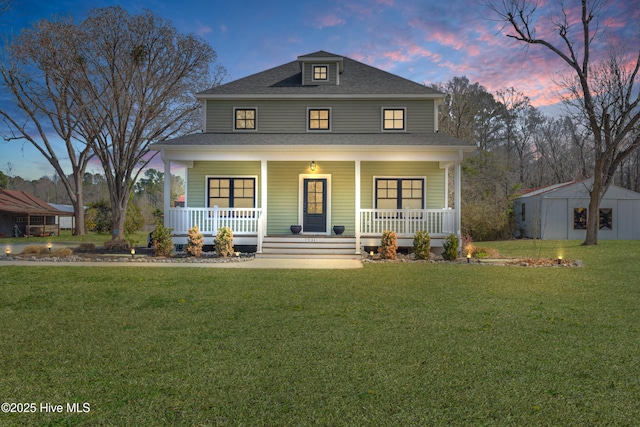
(147, 195)
(519, 147)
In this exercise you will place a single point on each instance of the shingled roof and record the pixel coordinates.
(356, 79)
(23, 203)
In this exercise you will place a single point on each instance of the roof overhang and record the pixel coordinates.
(434, 96)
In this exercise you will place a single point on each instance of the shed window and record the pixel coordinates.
(580, 218)
(606, 219)
(523, 212)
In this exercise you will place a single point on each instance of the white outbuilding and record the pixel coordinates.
(559, 212)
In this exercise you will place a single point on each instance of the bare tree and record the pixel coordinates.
(605, 90)
(39, 75)
(139, 77)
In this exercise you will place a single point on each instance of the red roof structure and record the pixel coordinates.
(23, 203)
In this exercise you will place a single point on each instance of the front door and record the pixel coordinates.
(314, 206)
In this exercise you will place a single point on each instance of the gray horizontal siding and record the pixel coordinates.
(347, 116)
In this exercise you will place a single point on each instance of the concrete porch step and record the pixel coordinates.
(309, 246)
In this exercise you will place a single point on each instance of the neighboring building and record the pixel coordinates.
(318, 142)
(559, 212)
(29, 214)
(65, 222)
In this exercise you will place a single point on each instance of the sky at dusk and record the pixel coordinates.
(426, 41)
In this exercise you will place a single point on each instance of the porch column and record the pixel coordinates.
(167, 188)
(262, 230)
(357, 206)
(458, 205)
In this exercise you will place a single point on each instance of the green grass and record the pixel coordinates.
(390, 344)
(67, 236)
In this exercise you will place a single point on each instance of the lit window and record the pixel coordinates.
(606, 219)
(232, 192)
(320, 72)
(399, 193)
(319, 119)
(393, 119)
(245, 119)
(580, 218)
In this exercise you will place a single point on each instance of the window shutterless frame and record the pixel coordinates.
(245, 119)
(318, 119)
(320, 73)
(394, 119)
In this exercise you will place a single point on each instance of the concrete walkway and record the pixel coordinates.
(314, 264)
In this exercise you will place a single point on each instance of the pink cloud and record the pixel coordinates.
(330, 20)
(203, 30)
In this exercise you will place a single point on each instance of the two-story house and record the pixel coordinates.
(318, 142)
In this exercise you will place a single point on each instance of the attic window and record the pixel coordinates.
(320, 72)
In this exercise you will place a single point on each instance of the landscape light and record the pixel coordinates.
(7, 251)
(133, 252)
(49, 247)
(468, 257)
(559, 259)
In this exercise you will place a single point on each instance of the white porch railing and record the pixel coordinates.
(405, 222)
(209, 220)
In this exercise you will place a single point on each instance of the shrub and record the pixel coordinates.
(117, 245)
(388, 245)
(62, 252)
(162, 243)
(195, 242)
(86, 247)
(450, 247)
(224, 242)
(422, 245)
(98, 217)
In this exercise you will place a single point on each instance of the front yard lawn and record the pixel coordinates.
(389, 344)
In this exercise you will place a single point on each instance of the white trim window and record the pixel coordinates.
(394, 119)
(318, 119)
(231, 192)
(399, 192)
(245, 119)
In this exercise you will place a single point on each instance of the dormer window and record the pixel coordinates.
(245, 118)
(320, 73)
(393, 119)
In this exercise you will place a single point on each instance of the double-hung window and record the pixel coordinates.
(245, 118)
(399, 193)
(232, 192)
(393, 119)
(319, 119)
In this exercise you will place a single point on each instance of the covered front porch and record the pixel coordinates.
(366, 189)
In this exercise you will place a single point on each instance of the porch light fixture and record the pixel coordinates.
(312, 166)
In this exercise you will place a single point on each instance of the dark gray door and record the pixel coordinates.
(315, 206)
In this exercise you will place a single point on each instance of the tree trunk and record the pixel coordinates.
(593, 216)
